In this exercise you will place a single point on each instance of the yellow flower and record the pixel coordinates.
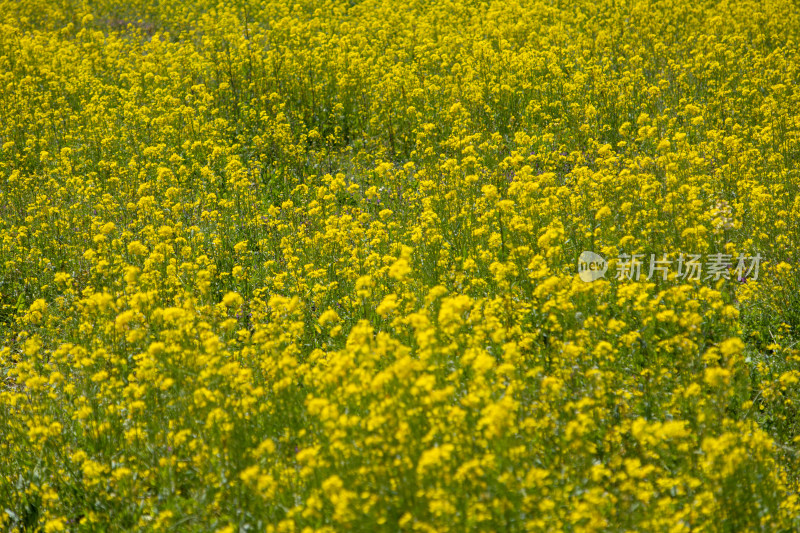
(399, 270)
(731, 347)
(232, 299)
(387, 305)
(329, 317)
(54, 524)
(716, 376)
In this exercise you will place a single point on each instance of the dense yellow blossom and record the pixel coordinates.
(312, 265)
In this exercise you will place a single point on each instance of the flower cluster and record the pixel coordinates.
(310, 266)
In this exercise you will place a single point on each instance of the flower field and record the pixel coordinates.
(300, 266)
